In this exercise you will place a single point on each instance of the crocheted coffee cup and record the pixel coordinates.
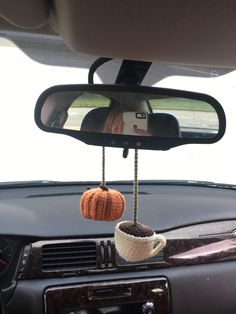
(133, 248)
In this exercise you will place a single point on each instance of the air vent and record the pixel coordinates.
(107, 259)
(69, 256)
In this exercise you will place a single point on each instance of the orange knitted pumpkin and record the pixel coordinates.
(102, 204)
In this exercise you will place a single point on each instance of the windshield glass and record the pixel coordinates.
(28, 153)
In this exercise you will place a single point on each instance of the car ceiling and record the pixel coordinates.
(191, 38)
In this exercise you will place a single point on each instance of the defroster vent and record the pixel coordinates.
(69, 256)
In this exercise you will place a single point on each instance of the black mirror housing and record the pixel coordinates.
(149, 117)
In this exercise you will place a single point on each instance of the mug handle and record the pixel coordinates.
(162, 243)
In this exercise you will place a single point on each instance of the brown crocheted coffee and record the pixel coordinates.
(137, 230)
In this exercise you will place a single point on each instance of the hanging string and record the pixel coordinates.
(135, 187)
(103, 166)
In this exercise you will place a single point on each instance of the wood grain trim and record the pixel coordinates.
(177, 252)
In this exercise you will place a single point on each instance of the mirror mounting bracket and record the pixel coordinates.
(97, 63)
(131, 73)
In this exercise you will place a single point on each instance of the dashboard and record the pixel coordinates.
(54, 261)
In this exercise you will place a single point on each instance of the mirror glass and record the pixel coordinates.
(130, 113)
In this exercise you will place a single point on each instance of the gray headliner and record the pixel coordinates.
(52, 50)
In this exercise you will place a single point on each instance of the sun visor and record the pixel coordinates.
(178, 32)
(25, 13)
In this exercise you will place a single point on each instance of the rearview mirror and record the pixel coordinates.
(130, 117)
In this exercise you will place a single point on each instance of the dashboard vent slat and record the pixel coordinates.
(69, 256)
(65, 258)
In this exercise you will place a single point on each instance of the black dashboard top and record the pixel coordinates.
(53, 211)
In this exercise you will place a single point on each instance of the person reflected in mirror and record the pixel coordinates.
(115, 124)
(111, 120)
(95, 119)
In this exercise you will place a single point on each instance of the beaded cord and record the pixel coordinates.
(135, 187)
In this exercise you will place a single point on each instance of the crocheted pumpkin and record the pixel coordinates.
(102, 204)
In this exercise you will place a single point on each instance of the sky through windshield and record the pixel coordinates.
(27, 153)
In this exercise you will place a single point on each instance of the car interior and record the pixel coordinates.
(101, 246)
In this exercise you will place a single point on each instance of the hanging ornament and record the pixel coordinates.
(102, 203)
(134, 241)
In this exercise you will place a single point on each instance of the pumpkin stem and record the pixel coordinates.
(103, 187)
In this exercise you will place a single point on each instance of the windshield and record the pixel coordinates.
(28, 153)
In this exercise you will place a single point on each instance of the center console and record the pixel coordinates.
(148, 296)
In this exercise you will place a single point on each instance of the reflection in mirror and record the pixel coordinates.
(130, 113)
